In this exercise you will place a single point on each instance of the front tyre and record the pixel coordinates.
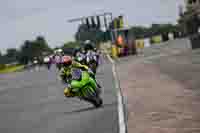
(97, 102)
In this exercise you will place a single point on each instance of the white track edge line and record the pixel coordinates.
(122, 126)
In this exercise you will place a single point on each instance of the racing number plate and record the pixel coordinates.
(76, 74)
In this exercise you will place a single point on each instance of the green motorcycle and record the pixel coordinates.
(83, 86)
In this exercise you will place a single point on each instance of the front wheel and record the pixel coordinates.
(97, 102)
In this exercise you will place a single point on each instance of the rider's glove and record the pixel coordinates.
(90, 71)
(85, 67)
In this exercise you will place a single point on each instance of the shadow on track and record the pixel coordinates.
(89, 109)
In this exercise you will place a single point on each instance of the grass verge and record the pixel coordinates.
(10, 69)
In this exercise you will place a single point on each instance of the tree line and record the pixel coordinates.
(155, 29)
(27, 52)
(34, 49)
(39, 47)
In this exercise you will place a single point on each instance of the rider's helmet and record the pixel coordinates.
(87, 42)
(95, 49)
(88, 45)
(66, 61)
(82, 50)
(76, 50)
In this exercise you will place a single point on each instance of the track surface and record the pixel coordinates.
(33, 102)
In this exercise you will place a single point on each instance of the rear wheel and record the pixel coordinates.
(96, 101)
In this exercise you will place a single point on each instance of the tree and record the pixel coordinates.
(41, 46)
(140, 31)
(69, 47)
(155, 29)
(36, 48)
(25, 53)
(1, 58)
(12, 53)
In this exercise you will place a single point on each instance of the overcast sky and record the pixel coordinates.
(25, 19)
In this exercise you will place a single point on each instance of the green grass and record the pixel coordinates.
(10, 69)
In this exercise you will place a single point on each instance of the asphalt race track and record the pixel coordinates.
(33, 102)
